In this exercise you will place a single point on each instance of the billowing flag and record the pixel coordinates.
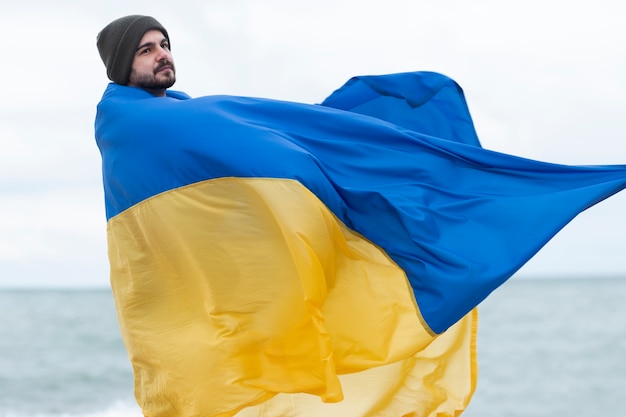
(271, 258)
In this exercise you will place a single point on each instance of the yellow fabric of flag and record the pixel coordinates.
(248, 297)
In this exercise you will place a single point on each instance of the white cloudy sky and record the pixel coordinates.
(544, 79)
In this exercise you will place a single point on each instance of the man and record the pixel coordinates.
(136, 52)
(176, 304)
(283, 259)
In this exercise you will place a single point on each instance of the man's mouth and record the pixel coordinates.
(165, 67)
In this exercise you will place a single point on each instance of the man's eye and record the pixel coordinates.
(166, 46)
(144, 51)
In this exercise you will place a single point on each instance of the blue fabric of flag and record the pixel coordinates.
(396, 158)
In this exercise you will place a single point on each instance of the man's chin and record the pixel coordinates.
(157, 82)
(166, 80)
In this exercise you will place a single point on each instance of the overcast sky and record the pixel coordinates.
(543, 79)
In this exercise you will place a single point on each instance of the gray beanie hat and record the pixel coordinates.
(118, 42)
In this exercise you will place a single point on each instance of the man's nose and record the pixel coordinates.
(163, 54)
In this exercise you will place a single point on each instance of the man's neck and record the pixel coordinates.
(159, 92)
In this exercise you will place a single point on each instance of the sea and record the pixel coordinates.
(546, 347)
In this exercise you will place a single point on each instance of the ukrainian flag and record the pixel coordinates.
(271, 258)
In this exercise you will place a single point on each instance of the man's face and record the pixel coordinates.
(153, 65)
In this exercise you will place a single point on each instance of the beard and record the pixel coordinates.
(155, 80)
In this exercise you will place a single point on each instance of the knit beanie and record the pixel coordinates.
(118, 42)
